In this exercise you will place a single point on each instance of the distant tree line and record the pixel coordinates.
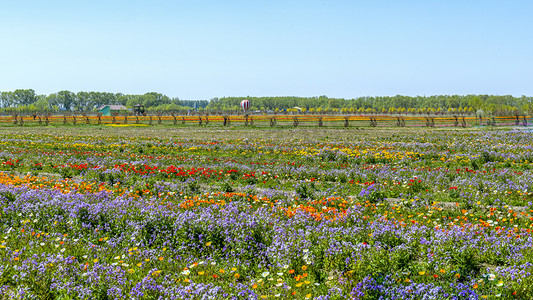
(438, 104)
(28, 100)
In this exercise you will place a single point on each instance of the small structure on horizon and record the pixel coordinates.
(107, 109)
(138, 110)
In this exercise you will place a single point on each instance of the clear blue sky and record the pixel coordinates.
(205, 49)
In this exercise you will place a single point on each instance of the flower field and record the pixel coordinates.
(166, 213)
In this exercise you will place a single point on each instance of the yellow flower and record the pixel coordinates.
(422, 273)
(308, 296)
(221, 270)
(234, 269)
(299, 284)
(139, 264)
(201, 273)
(208, 244)
(457, 275)
(131, 271)
(236, 275)
(304, 267)
(95, 260)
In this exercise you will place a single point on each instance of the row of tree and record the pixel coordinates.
(439, 104)
(27, 100)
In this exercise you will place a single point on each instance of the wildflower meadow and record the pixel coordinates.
(137, 212)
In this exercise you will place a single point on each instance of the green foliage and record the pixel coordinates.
(304, 191)
(227, 187)
(10, 197)
(466, 260)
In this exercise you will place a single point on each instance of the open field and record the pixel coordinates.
(103, 212)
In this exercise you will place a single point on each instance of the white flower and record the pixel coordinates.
(279, 284)
(306, 250)
(213, 263)
(279, 274)
(185, 272)
(42, 244)
(265, 274)
(285, 266)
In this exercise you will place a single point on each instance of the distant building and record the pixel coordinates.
(107, 110)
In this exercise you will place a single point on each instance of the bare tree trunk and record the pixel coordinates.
(174, 117)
